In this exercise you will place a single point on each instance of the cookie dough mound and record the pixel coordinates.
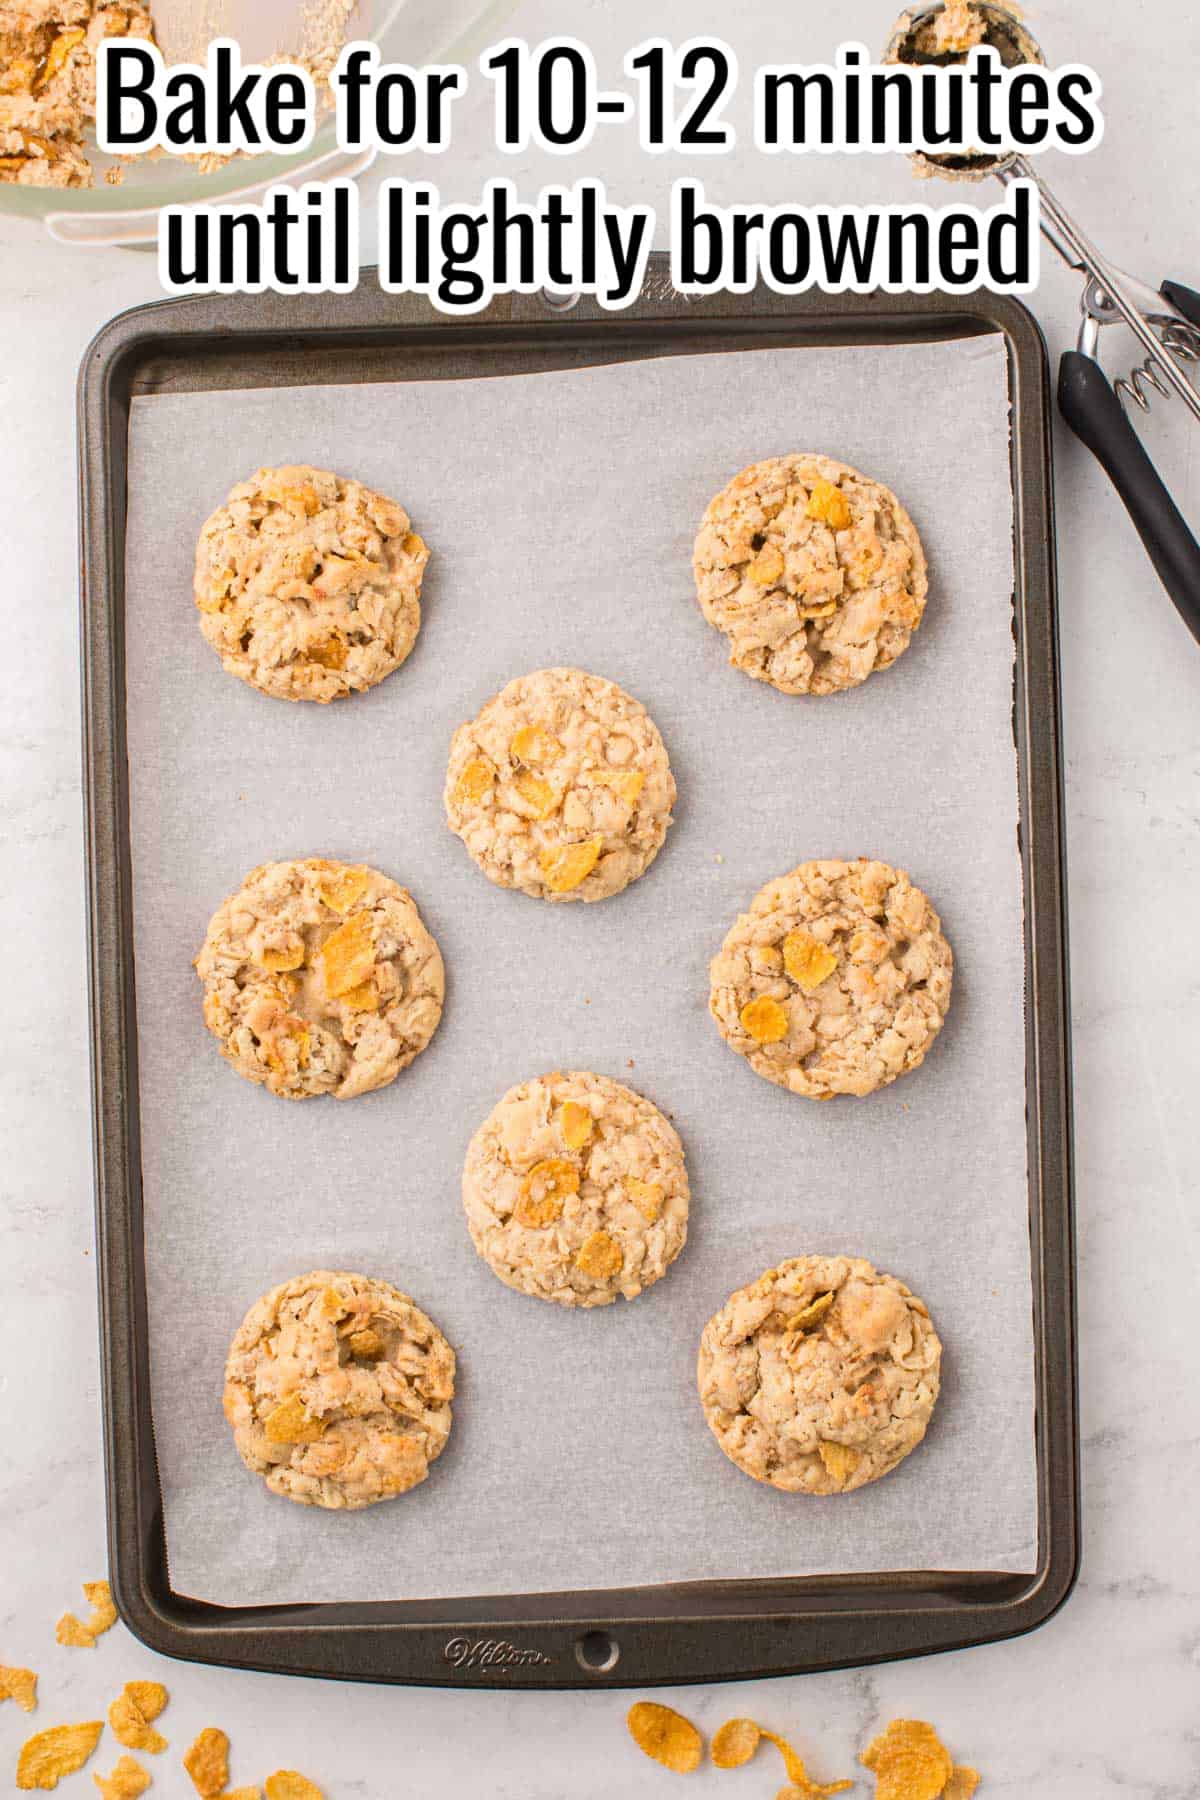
(319, 978)
(820, 1376)
(814, 572)
(338, 1390)
(561, 787)
(48, 54)
(575, 1190)
(836, 981)
(309, 585)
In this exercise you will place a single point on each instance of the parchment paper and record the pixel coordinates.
(561, 510)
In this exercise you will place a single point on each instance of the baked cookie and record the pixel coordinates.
(820, 1376)
(575, 1190)
(814, 572)
(338, 1390)
(309, 585)
(561, 787)
(319, 978)
(836, 981)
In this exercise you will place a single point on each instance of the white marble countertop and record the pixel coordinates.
(1102, 1703)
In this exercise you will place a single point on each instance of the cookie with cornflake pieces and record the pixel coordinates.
(820, 1376)
(575, 1190)
(338, 1389)
(814, 572)
(836, 981)
(309, 585)
(320, 978)
(561, 787)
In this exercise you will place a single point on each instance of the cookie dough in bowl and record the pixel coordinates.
(814, 572)
(836, 980)
(338, 1390)
(820, 1376)
(308, 584)
(561, 787)
(575, 1190)
(320, 978)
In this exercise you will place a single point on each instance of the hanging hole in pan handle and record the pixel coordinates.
(597, 1652)
(558, 301)
(1094, 414)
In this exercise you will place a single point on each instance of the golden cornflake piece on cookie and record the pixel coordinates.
(286, 1784)
(284, 960)
(810, 1314)
(49, 1755)
(533, 744)
(626, 782)
(839, 1459)
(475, 781)
(127, 1781)
(909, 1761)
(599, 1256)
(292, 1423)
(348, 955)
(764, 1020)
(665, 1735)
(828, 502)
(647, 1196)
(344, 886)
(806, 961)
(576, 1124)
(543, 1191)
(564, 866)
(367, 1345)
(19, 1685)
(207, 1762)
(539, 796)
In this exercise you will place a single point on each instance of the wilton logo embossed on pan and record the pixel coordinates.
(490, 1653)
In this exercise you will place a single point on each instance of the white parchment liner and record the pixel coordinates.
(561, 510)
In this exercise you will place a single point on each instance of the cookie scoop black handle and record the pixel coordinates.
(1184, 299)
(1094, 414)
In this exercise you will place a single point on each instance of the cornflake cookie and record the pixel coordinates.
(836, 981)
(48, 84)
(561, 787)
(338, 1389)
(820, 1376)
(319, 978)
(575, 1190)
(309, 585)
(814, 572)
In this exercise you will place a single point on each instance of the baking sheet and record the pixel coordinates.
(561, 509)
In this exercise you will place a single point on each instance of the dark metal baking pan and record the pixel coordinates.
(702, 1631)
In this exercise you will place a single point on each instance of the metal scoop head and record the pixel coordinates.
(914, 41)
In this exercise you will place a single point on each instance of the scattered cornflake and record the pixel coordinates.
(126, 1782)
(19, 1685)
(242, 1793)
(49, 1755)
(909, 1762)
(104, 1613)
(132, 1713)
(665, 1735)
(207, 1762)
(73, 1633)
(962, 1783)
(735, 1742)
(286, 1784)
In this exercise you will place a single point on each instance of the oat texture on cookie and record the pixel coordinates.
(835, 981)
(338, 1390)
(308, 584)
(820, 1376)
(560, 787)
(320, 978)
(813, 571)
(575, 1190)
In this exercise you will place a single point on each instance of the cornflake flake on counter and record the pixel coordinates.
(735, 1742)
(662, 1733)
(49, 1755)
(127, 1780)
(207, 1762)
(19, 1685)
(910, 1762)
(133, 1712)
(76, 1635)
(286, 1784)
